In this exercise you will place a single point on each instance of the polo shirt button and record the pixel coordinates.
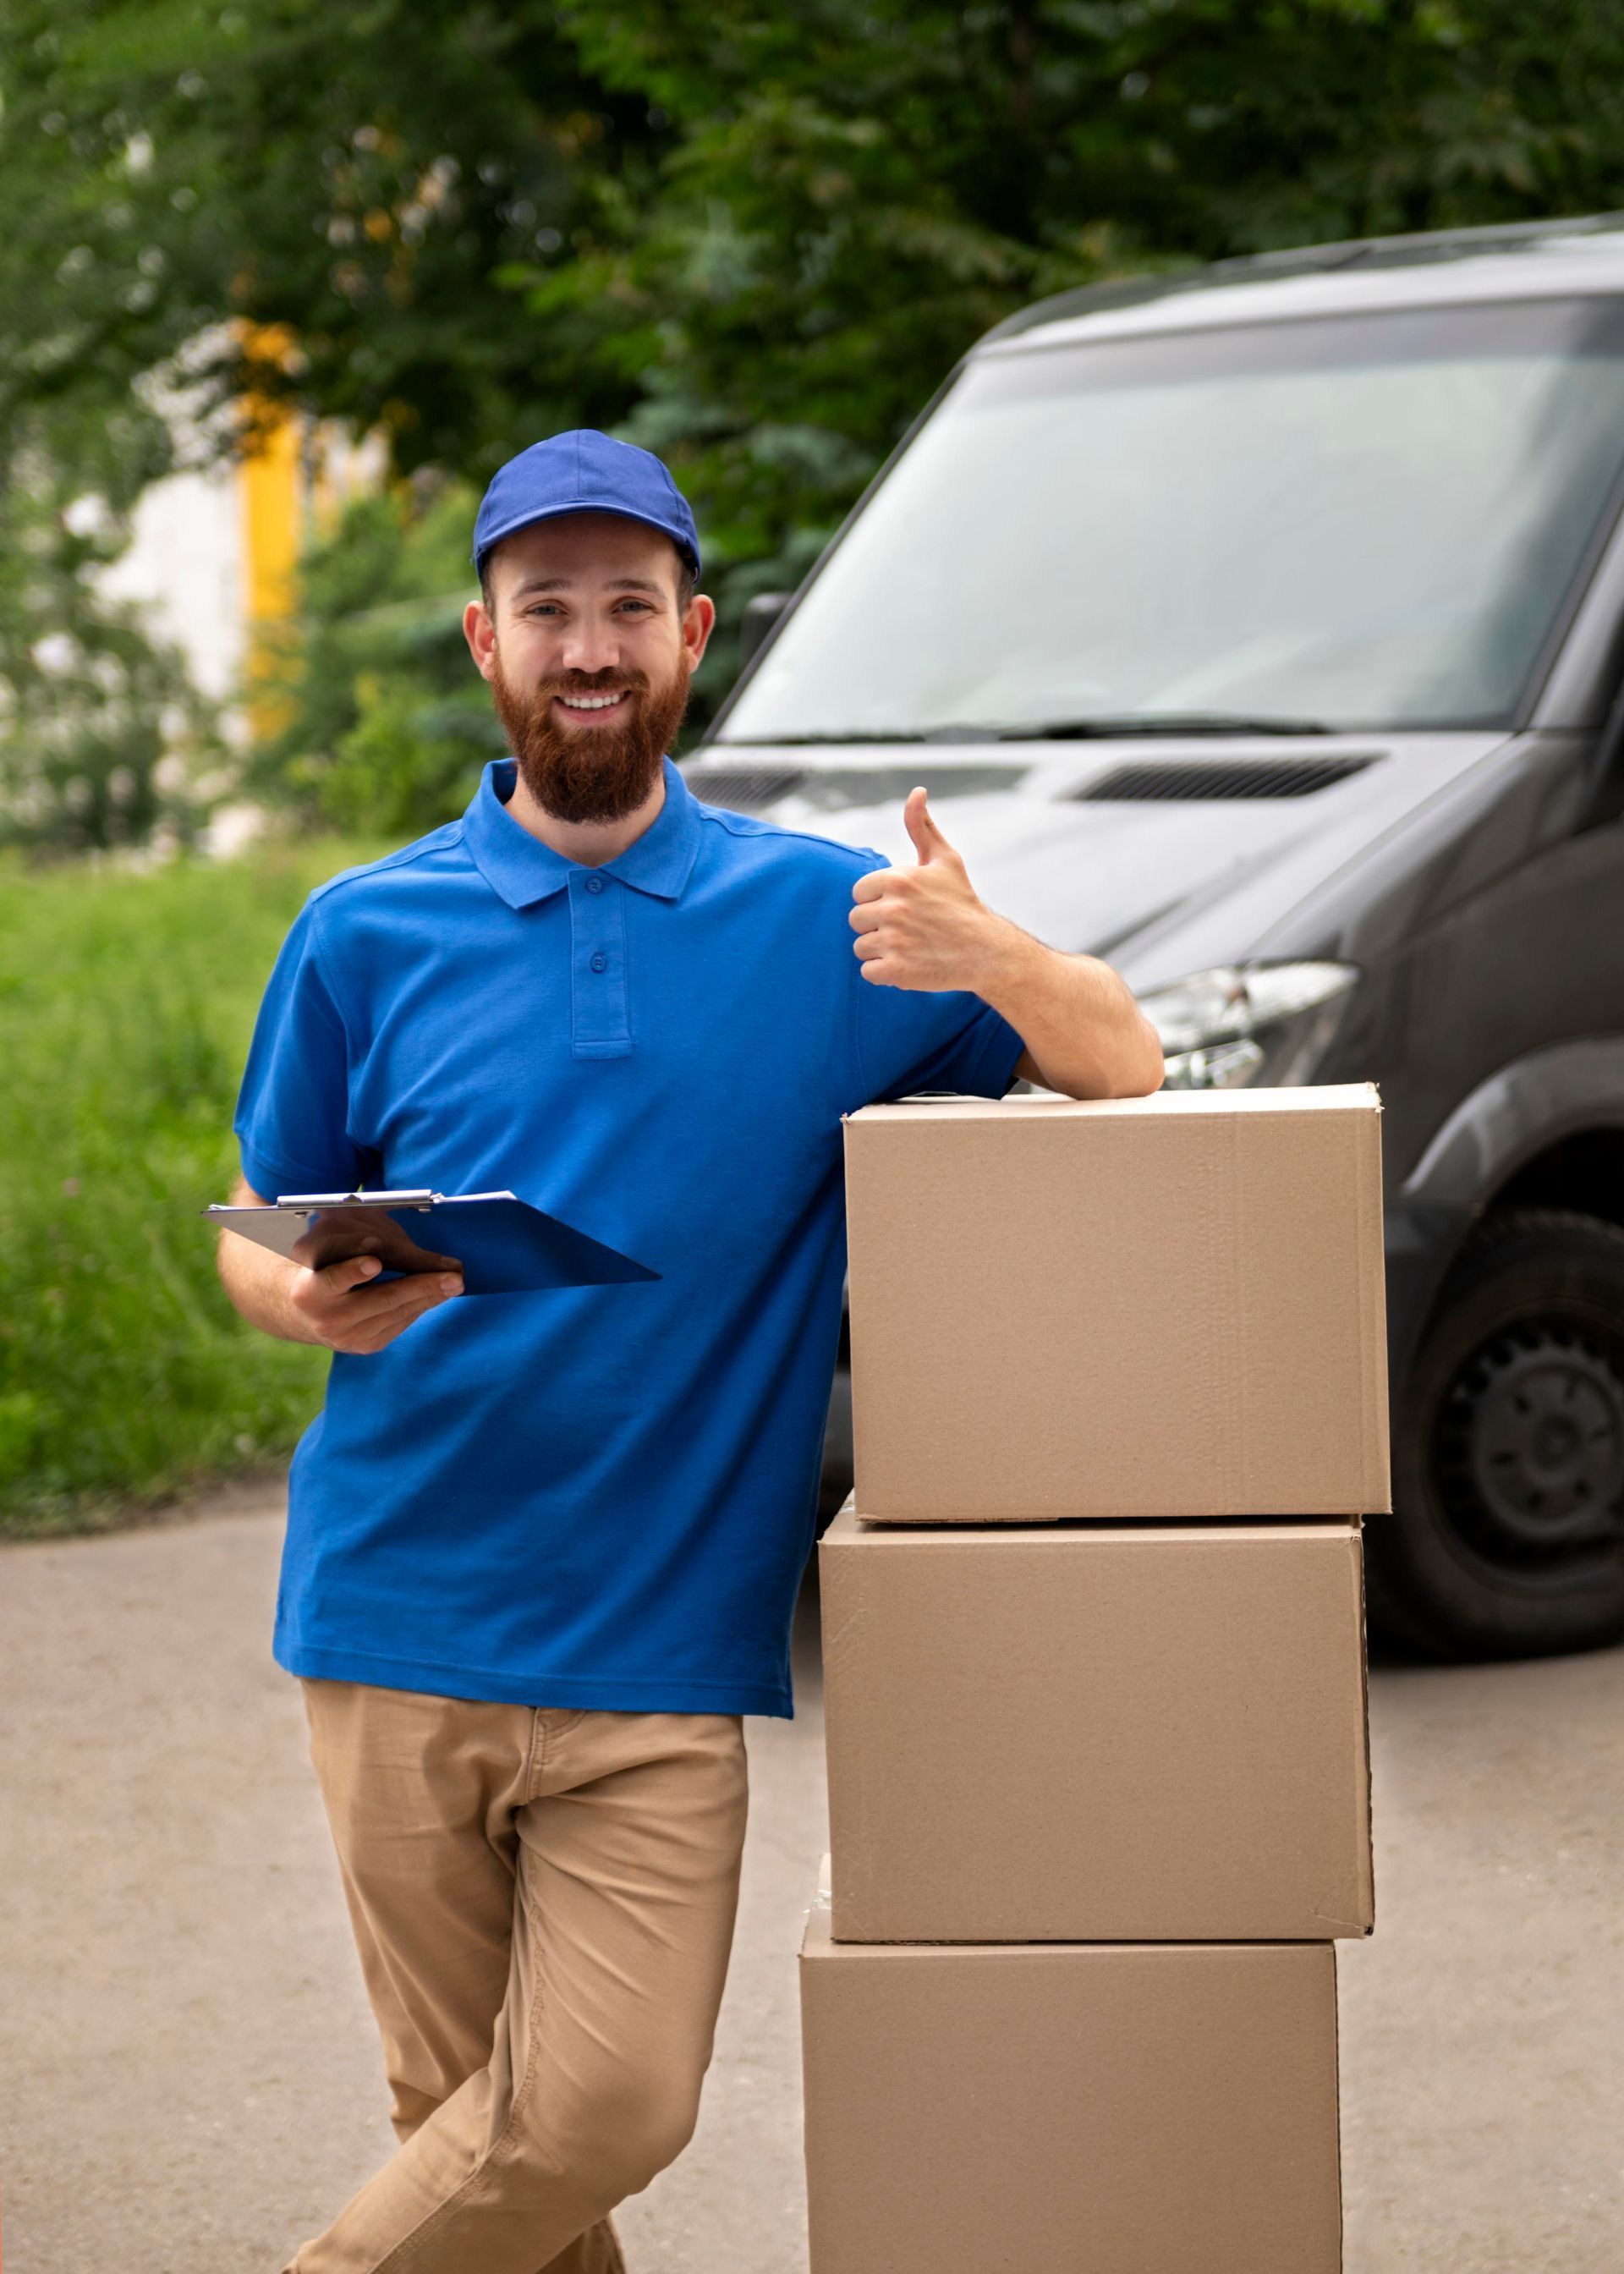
(600, 963)
(595, 884)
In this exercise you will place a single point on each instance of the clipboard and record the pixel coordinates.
(503, 1245)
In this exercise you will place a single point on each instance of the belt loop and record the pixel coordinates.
(537, 1762)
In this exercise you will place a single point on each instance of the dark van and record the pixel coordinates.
(1263, 631)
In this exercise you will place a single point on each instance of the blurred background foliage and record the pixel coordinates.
(754, 238)
(124, 1003)
(104, 741)
(381, 722)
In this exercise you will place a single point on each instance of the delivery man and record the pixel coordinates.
(542, 1549)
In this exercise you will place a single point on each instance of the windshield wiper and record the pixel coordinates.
(855, 740)
(1105, 729)
(806, 741)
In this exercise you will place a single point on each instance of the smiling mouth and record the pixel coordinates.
(593, 706)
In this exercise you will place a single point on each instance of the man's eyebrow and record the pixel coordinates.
(566, 584)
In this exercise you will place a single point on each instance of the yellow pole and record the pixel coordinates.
(269, 487)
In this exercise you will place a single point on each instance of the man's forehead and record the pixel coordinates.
(573, 550)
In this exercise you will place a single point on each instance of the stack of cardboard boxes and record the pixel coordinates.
(1094, 1680)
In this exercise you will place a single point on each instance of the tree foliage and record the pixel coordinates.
(755, 237)
(383, 724)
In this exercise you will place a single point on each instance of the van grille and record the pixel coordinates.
(1231, 777)
(827, 789)
(743, 788)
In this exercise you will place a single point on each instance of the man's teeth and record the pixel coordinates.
(591, 702)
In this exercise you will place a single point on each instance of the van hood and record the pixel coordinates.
(1163, 881)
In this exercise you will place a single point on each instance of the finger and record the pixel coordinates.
(314, 1237)
(869, 948)
(364, 1306)
(427, 1292)
(928, 842)
(867, 918)
(418, 1291)
(916, 820)
(873, 885)
(351, 1271)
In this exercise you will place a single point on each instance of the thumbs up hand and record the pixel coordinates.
(919, 823)
(924, 927)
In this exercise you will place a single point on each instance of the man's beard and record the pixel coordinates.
(590, 773)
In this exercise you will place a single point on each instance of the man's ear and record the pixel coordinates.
(480, 632)
(698, 623)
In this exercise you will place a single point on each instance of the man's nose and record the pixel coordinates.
(590, 647)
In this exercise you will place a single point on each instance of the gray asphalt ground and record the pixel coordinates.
(190, 2077)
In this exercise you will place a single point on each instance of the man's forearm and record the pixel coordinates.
(1085, 1034)
(927, 927)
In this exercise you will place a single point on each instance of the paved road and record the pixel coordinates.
(190, 2078)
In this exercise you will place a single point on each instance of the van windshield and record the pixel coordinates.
(1362, 522)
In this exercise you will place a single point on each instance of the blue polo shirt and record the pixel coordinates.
(592, 1497)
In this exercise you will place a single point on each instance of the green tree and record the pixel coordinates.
(755, 237)
(384, 723)
(479, 220)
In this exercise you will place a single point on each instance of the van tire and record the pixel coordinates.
(1506, 1539)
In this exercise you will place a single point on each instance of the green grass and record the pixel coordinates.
(126, 1003)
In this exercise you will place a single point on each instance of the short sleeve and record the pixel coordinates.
(906, 1039)
(292, 1110)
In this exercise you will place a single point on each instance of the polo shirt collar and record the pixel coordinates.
(521, 870)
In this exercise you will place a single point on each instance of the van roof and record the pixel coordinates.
(1521, 261)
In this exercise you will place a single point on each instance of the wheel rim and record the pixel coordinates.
(1529, 1448)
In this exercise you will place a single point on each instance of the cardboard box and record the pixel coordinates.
(1155, 1306)
(1126, 2109)
(1089, 1733)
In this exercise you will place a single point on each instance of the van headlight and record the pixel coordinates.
(1268, 1023)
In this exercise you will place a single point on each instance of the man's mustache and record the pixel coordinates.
(618, 683)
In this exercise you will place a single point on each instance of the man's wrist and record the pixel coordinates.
(1003, 963)
(260, 1288)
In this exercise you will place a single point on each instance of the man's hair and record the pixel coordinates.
(686, 581)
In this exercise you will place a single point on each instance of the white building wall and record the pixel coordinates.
(186, 567)
(189, 565)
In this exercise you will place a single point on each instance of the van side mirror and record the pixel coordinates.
(760, 616)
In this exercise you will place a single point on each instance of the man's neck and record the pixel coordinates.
(590, 842)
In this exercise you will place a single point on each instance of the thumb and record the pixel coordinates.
(929, 841)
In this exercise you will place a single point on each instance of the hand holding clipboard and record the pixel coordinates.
(501, 1244)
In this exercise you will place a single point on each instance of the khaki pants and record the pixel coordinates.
(543, 1901)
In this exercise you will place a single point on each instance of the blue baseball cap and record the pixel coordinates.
(584, 471)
